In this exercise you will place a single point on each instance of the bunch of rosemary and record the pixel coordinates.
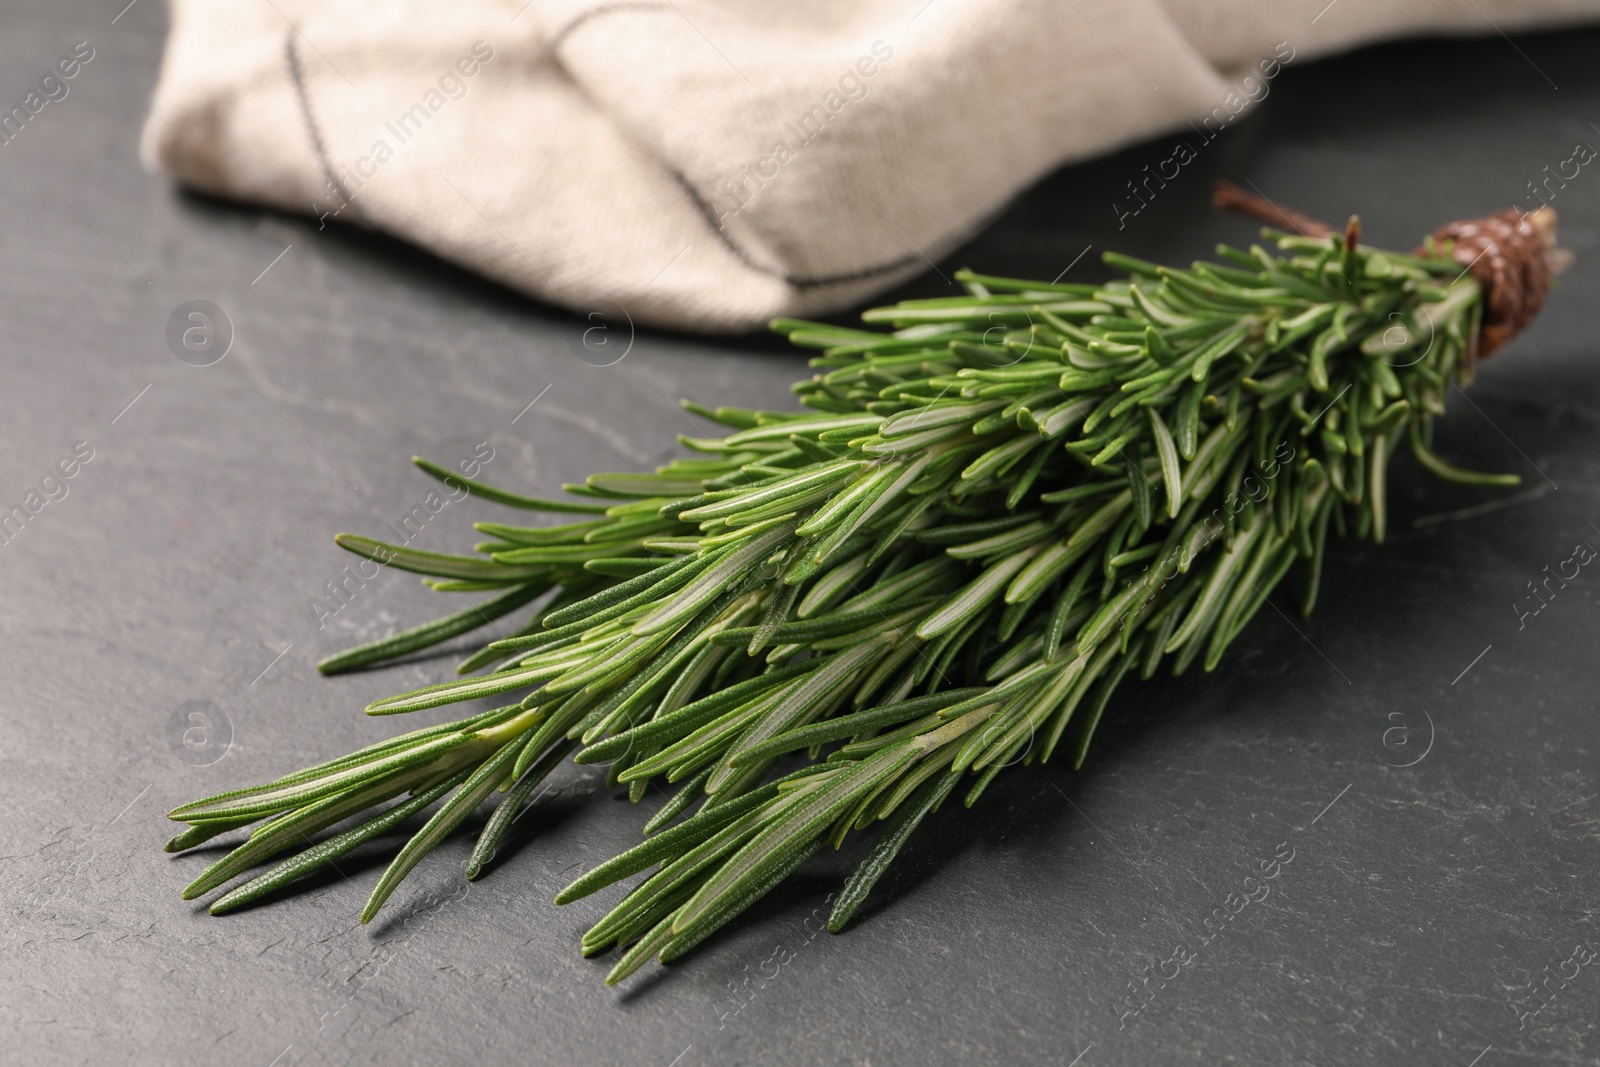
(987, 518)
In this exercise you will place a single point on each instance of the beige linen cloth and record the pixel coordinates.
(711, 164)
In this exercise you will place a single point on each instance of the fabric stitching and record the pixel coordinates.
(707, 212)
(319, 149)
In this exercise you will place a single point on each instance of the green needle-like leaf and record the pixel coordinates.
(429, 634)
(509, 809)
(327, 852)
(894, 836)
(458, 807)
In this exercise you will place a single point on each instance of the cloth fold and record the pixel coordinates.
(711, 165)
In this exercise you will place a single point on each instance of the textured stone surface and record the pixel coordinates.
(1417, 903)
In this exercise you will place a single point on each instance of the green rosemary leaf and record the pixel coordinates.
(685, 720)
(642, 485)
(1009, 285)
(780, 427)
(546, 535)
(501, 496)
(597, 672)
(198, 835)
(820, 331)
(1001, 543)
(832, 517)
(977, 594)
(1139, 493)
(708, 583)
(1217, 349)
(434, 563)
(697, 676)
(1450, 473)
(326, 852)
(788, 837)
(962, 533)
(425, 636)
(264, 800)
(692, 790)
(1063, 614)
(678, 839)
(278, 834)
(433, 696)
(1080, 747)
(510, 807)
(1130, 265)
(1213, 595)
(671, 886)
(625, 567)
(809, 697)
(1092, 669)
(731, 907)
(481, 782)
(1030, 474)
(558, 556)
(849, 725)
(812, 483)
(686, 755)
(450, 585)
(833, 586)
(1167, 451)
(1377, 498)
(640, 953)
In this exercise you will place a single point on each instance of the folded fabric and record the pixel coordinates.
(711, 164)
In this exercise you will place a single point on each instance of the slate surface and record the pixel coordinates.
(1420, 905)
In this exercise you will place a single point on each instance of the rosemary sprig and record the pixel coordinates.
(985, 519)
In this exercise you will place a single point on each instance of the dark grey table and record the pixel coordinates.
(1424, 759)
